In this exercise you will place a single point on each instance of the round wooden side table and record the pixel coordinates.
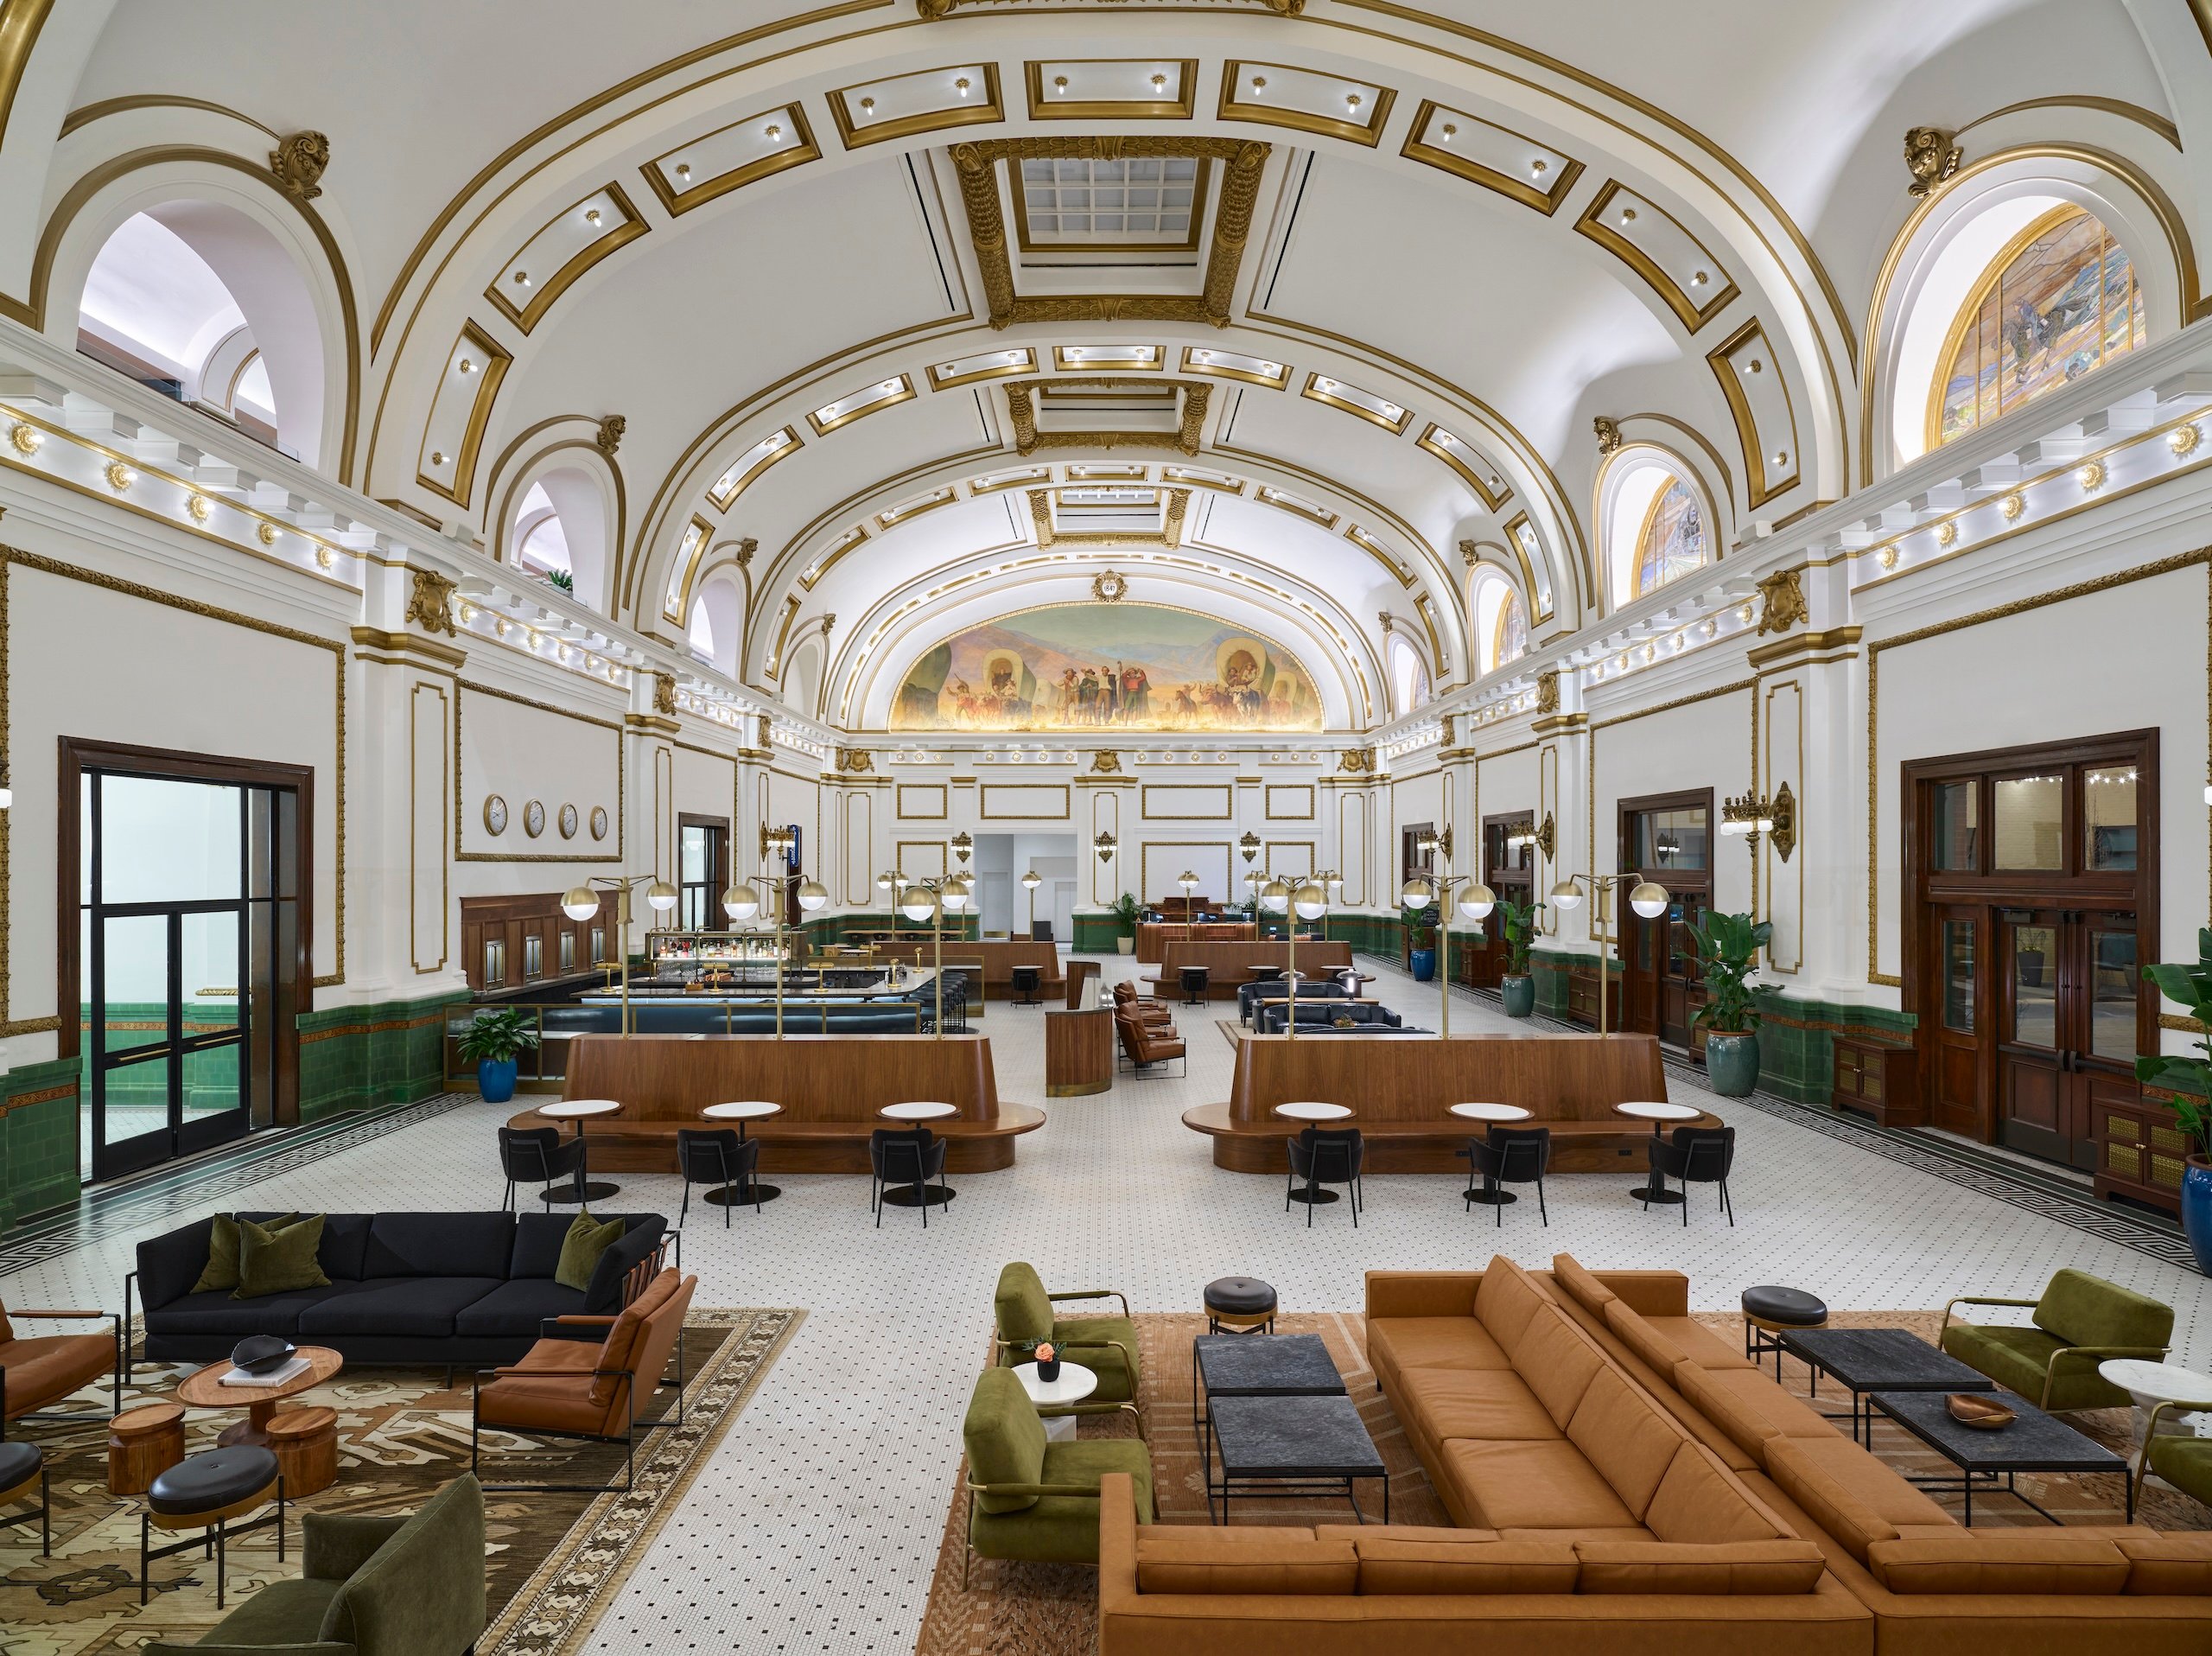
(141, 1444)
(305, 1443)
(204, 1389)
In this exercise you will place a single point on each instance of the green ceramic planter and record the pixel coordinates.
(1731, 1064)
(1519, 995)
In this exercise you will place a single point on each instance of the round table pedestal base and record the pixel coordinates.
(597, 1190)
(1491, 1198)
(247, 1433)
(933, 1195)
(730, 1196)
(1319, 1197)
(1664, 1198)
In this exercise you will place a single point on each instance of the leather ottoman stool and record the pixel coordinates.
(22, 1467)
(141, 1444)
(1769, 1310)
(1240, 1305)
(305, 1443)
(205, 1491)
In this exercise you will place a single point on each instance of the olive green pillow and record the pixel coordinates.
(222, 1273)
(276, 1262)
(580, 1250)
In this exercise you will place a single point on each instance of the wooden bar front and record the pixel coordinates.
(830, 1087)
(1078, 1051)
(1400, 1087)
(1229, 965)
(1153, 935)
(999, 958)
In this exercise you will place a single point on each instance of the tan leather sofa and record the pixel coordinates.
(1622, 1480)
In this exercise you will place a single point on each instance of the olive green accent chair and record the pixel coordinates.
(1035, 1500)
(2182, 1461)
(369, 1587)
(2080, 1321)
(1107, 1346)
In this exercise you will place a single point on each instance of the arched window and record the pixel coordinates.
(559, 532)
(1409, 675)
(701, 634)
(1509, 640)
(541, 542)
(1672, 540)
(2059, 300)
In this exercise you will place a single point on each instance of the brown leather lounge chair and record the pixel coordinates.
(1127, 1001)
(34, 1373)
(1146, 1044)
(588, 1376)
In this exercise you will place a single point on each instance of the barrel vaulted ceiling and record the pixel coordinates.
(791, 250)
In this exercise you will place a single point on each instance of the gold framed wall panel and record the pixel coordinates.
(928, 865)
(1300, 809)
(1172, 793)
(432, 750)
(461, 803)
(1105, 818)
(1175, 856)
(1543, 877)
(665, 863)
(986, 811)
(1282, 866)
(916, 810)
(1355, 825)
(858, 862)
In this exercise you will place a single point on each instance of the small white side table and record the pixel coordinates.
(1656, 1113)
(2151, 1383)
(1076, 1383)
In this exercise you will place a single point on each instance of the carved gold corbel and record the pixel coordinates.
(429, 603)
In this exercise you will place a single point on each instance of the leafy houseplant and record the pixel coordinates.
(1517, 921)
(493, 1041)
(1727, 948)
(560, 579)
(2189, 987)
(1125, 916)
(1420, 943)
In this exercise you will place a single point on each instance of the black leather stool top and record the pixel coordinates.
(19, 1463)
(1240, 1296)
(1792, 1308)
(200, 1483)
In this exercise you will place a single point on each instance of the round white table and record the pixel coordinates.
(740, 1112)
(579, 1110)
(1076, 1383)
(915, 1114)
(1656, 1113)
(1497, 1114)
(1316, 1113)
(2151, 1383)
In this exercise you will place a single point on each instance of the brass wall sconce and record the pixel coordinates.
(1248, 844)
(1104, 846)
(961, 844)
(1749, 816)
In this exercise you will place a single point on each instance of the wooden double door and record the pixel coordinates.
(1668, 840)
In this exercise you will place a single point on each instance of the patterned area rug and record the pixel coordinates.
(1020, 1609)
(553, 1560)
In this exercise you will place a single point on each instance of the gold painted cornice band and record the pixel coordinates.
(375, 638)
(1769, 655)
(1561, 724)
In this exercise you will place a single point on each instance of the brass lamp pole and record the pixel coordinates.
(1309, 901)
(581, 902)
(1030, 881)
(923, 899)
(1647, 897)
(1189, 882)
(1475, 900)
(742, 902)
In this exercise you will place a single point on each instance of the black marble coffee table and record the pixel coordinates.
(2033, 1443)
(1273, 1447)
(1258, 1366)
(1866, 1361)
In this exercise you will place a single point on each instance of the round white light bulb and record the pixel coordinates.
(1477, 901)
(1567, 895)
(661, 895)
(1416, 894)
(578, 902)
(1649, 899)
(740, 903)
(813, 894)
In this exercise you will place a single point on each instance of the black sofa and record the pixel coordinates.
(1274, 1016)
(405, 1288)
(1310, 990)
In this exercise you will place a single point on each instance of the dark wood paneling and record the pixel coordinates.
(1079, 1051)
(1229, 965)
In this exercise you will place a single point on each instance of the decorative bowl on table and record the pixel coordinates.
(1979, 1409)
(262, 1353)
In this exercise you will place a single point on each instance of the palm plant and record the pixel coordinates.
(1728, 948)
(1517, 921)
(2188, 987)
(497, 1036)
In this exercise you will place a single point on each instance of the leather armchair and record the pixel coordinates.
(2080, 1321)
(1029, 1498)
(1126, 999)
(589, 1377)
(34, 1373)
(1107, 1346)
(1146, 1044)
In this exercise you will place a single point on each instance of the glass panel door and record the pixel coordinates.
(2034, 957)
(127, 1047)
(2114, 987)
(213, 1044)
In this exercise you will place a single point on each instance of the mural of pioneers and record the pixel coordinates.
(1127, 666)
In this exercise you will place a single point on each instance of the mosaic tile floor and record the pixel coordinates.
(814, 1528)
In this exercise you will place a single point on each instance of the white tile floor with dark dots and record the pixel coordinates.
(814, 1527)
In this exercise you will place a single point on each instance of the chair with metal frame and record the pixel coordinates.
(537, 1155)
(1023, 1314)
(716, 1156)
(34, 1373)
(581, 1381)
(914, 1158)
(2080, 1321)
(23, 1468)
(1033, 1499)
(1146, 1042)
(1695, 1155)
(1509, 1155)
(2182, 1458)
(1327, 1155)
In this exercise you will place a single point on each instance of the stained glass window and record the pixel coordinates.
(1511, 641)
(2060, 301)
(1673, 541)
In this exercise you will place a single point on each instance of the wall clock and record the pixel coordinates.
(567, 822)
(599, 822)
(495, 815)
(533, 818)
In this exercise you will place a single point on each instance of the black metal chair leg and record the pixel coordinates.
(684, 1212)
(1542, 1212)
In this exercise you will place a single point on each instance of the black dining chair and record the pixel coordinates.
(1326, 1155)
(1025, 980)
(1196, 981)
(536, 1156)
(716, 1156)
(898, 1157)
(1695, 1155)
(1511, 1155)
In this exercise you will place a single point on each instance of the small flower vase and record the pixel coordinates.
(1048, 1368)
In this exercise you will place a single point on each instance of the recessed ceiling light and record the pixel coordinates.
(867, 104)
(775, 131)
(683, 169)
(1781, 456)
(1271, 368)
(1205, 356)
(591, 215)
(890, 385)
(1628, 215)
(1392, 411)
(1756, 366)
(522, 278)
(1351, 101)
(961, 86)
(1158, 81)
(437, 457)
(1326, 385)
(467, 367)
(1449, 129)
(1059, 83)
(1539, 166)
(1698, 279)
(1259, 83)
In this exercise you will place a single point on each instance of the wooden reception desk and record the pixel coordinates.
(1229, 964)
(999, 958)
(1399, 1087)
(830, 1087)
(1155, 936)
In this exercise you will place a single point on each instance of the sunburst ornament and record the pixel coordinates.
(1110, 587)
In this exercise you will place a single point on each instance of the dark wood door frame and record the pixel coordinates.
(1634, 989)
(717, 880)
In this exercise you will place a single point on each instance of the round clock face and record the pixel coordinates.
(599, 822)
(533, 818)
(495, 815)
(567, 822)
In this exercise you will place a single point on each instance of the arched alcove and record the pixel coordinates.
(803, 675)
(1408, 674)
(718, 621)
(563, 522)
(1655, 521)
(1501, 620)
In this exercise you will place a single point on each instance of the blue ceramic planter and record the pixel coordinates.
(1731, 1064)
(2197, 1210)
(496, 1082)
(1519, 995)
(1424, 965)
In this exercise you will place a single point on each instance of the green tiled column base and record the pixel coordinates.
(353, 1057)
(38, 1138)
(1797, 1043)
(1094, 933)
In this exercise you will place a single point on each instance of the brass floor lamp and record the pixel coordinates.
(581, 902)
(741, 902)
(1474, 900)
(1647, 897)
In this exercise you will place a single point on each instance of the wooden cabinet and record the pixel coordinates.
(1878, 1079)
(513, 943)
(1582, 998)
(2140, 1153)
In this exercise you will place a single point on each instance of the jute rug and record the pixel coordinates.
(553, 1563)
(1020, 1609)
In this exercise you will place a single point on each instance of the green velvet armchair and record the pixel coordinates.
(2080, 1321)
(1105, 1344)
(2182, 1461)
(370, 1586)
(1032, 1499)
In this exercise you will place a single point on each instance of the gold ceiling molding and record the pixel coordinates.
(20, 22)
(1366, 131)
(493, 369)
(976, 164)
(1434, 442)
(1179, 104)
(1418, 147)
(1169, 534)
(1692, 314)
(2151, 120)
(629, 226)
(106, 107)
(678, 199)
(986, 110)
(1022, 409)
(1766, 475)
(931, 10)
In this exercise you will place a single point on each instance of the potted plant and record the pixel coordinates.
(1420, 943)
(492, 1041)
(2189, 987)
(1048, 1361)
(1125, 916)
(1728, 948)
(1517, 988)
